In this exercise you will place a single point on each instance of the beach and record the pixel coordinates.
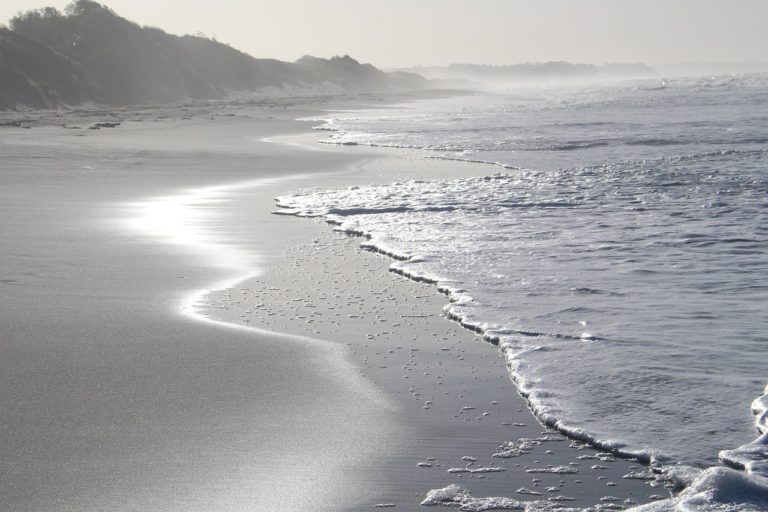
(170, 344)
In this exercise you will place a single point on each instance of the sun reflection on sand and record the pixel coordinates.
(193, 219)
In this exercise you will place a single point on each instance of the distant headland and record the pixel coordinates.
(532, 72)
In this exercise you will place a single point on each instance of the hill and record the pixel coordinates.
(90, 54)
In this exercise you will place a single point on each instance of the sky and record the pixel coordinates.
(391, 33)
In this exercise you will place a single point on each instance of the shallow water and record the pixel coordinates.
(617, 253)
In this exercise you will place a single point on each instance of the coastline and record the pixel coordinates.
(748, 457)
(325, 259)
(228, 417)
(464, 414)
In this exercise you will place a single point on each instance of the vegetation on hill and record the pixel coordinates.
(88, 53)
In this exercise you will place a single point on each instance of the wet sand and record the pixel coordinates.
(116, 398)
(465, 423)
(112, 399)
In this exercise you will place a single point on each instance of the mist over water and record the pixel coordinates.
(616, 252)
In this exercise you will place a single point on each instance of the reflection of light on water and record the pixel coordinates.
(193, 220)
(188, 219)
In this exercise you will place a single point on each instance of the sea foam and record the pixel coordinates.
(617, 261)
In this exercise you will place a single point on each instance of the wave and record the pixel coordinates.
(471, 141)
(753, 457)
(518, 345)
(708, 489)
(600, 213)
(504, 338)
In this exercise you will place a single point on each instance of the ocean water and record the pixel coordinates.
(615, 247)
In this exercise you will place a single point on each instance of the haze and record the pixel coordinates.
(437, 32)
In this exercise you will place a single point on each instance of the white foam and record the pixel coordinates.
(481, 469)
(652, 303)
(446, 232)
(457, 496)
(753, 457)
(556, 470)
(717, 490)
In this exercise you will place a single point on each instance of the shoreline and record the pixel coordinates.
(243, 305)
(743, 457)
(572, 433)
(238, 405)
(391, 357)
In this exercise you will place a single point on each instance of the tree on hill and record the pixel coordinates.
(87, 8)
(37, 22)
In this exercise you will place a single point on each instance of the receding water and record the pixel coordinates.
(618, 251)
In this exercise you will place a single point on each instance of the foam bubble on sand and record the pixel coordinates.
(559, 470)
(525, 490)
(522, 446)
(457, 496)
(481, 469)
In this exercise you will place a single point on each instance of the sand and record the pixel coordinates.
(340, 387)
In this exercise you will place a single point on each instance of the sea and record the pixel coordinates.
(612, 240)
